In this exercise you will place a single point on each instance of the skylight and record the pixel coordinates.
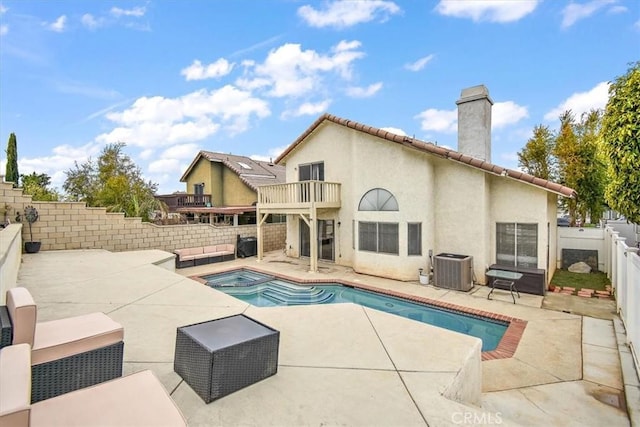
(244, 165)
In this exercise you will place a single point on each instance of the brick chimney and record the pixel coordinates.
(474, 122)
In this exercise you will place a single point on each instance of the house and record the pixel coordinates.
(222, 188)
(381, 203)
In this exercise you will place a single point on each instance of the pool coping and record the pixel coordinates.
(506, 347)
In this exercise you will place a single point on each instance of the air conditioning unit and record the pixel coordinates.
(453, 271)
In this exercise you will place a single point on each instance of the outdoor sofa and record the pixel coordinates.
(66, 354)
(134, 400)
(190, 257)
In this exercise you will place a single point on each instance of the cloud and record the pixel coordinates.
(158, 121)
(637, 25)
(487, 10)
(574, 12)
(3, 9)
(397, 131)
(289, 71)
(4, 29)
(58, 25)
(347, 13)
(582, 102)
(618, 9)
(62, 159)
(136, 12)
(307, 109)
(90, 22)
(272, 154)
(419, 64)
(507, 113)
(116, 16)
(446, 121)
(196, 71)
(164, 165)
(364, 92)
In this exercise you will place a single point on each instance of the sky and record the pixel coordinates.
(171, 78)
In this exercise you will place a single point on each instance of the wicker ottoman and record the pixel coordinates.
(224, 355)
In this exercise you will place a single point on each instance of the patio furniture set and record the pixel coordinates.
(190, 257)
(68, 372)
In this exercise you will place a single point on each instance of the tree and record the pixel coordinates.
(114, 182)
(569, 167)
(536, 158)
(11, 173)
(621, 139)
(37, 185)
(591, 180)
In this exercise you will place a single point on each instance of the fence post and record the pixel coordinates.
(607, 251)
(614, 262)
(633, 296)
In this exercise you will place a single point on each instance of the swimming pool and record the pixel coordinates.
(263, 290)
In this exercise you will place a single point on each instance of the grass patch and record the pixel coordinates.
(595, 280)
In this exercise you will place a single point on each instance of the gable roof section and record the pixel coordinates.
(253, 173)
(435, 150)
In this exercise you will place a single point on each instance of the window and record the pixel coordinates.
(379, 237)
(311, 172)
(517, 244)
(414, 238)
(378, 199)
(244, 165)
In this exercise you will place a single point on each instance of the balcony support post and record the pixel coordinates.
(260, 219)
(313, 230)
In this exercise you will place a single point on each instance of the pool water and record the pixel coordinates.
(263, 290)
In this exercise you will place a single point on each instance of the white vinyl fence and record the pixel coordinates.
(622, 265)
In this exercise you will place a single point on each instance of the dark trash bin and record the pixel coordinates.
(247, 246)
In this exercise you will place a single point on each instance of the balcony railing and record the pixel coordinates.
(297, 195)
(175, 201)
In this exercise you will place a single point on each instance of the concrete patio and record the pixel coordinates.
(344, 364)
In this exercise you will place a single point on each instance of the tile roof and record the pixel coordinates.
(252, 172)
(433, 149)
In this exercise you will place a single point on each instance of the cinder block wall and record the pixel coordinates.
(72, 225)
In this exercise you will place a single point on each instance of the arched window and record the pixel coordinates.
(378, 199)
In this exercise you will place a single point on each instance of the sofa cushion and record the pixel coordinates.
(210, 249)
(61, 338)
(188, 252)
(23, 313)
(15, 385)
(135, 400)
(227, 247)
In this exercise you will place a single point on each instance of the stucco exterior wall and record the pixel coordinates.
(235, 192)
(461, 212)
(203, 171)
(552, 220)
(361, 163)
(515, 202)
(457, 205)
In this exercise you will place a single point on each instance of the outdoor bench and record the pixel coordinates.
(190, 257)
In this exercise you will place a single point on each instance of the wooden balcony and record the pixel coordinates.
(299, 196)
(183, 200)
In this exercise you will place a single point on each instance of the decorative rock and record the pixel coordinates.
(580, 267)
